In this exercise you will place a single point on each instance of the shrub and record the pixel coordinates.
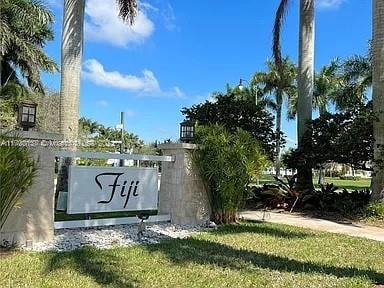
(227, 163)
(282, 194)
(325, 199)
(375, 210)
(328, 199)
(17, 171)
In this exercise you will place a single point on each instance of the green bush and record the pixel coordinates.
(228, 163)
(352, 178)
(375, 210)
(17, 170)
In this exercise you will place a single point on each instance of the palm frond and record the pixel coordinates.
(279, 20)
(127, 10)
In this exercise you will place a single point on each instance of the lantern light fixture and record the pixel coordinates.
(187, 131)
(27, 115)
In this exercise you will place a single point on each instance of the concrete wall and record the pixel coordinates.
(182, 193)
(33, 220)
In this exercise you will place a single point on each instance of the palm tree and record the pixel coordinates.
(355, 80)
(305, 78)
(71, 59)
(378, 97)
(327, 84)
(25, 27)
(281, 85)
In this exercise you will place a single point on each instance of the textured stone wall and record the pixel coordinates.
(182, 193)
(34, 219)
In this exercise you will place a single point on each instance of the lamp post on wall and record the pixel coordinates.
(187, 131)
(253, 88)
(27, 115)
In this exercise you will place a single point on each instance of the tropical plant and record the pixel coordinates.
(25, 27)
(71, 60)
(17, 170)
(305, 79)
(284, 189)
(378, 97)
(328, 84)
(234, 111)
(276, 87)
(228, 163)
(375, 210)
(328, 199)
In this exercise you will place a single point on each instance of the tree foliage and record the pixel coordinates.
(344, 137)
(234, 112)
(25, 27)
(94, 135)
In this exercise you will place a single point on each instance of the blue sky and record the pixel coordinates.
(180, 51)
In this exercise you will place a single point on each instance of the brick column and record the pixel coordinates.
(182, 193)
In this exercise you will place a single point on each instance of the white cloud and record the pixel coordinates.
(329, 3)
(103, 24)
(146, 84)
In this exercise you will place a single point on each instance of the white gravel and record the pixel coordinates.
(108, 236)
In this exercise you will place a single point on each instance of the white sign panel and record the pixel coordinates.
(107, 189)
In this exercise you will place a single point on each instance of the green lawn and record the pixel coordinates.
(347, 184)
(246, 255)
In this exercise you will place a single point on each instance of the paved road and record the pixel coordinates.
(363, 231)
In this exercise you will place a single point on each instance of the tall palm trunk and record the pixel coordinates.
(378, 97)
(305, 88)
(71, 59)
(279, 102)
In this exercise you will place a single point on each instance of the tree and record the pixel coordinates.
(344, 137)
(378, 97)
(355, 76)
(88, 126)
(96, 135)
(281, 85)
(305, 78)
(71, 60)
(233, 111)
(25, 27)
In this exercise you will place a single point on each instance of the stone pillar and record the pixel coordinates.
(33, 221)
(182, 193)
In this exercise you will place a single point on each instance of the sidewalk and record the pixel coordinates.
(368, 232)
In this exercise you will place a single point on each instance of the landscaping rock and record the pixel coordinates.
(110, 236)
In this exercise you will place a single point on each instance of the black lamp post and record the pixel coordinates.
(27, 115)
(187, 131)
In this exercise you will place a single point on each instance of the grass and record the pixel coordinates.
(348, 184)
(341, 184)
(246, 255)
